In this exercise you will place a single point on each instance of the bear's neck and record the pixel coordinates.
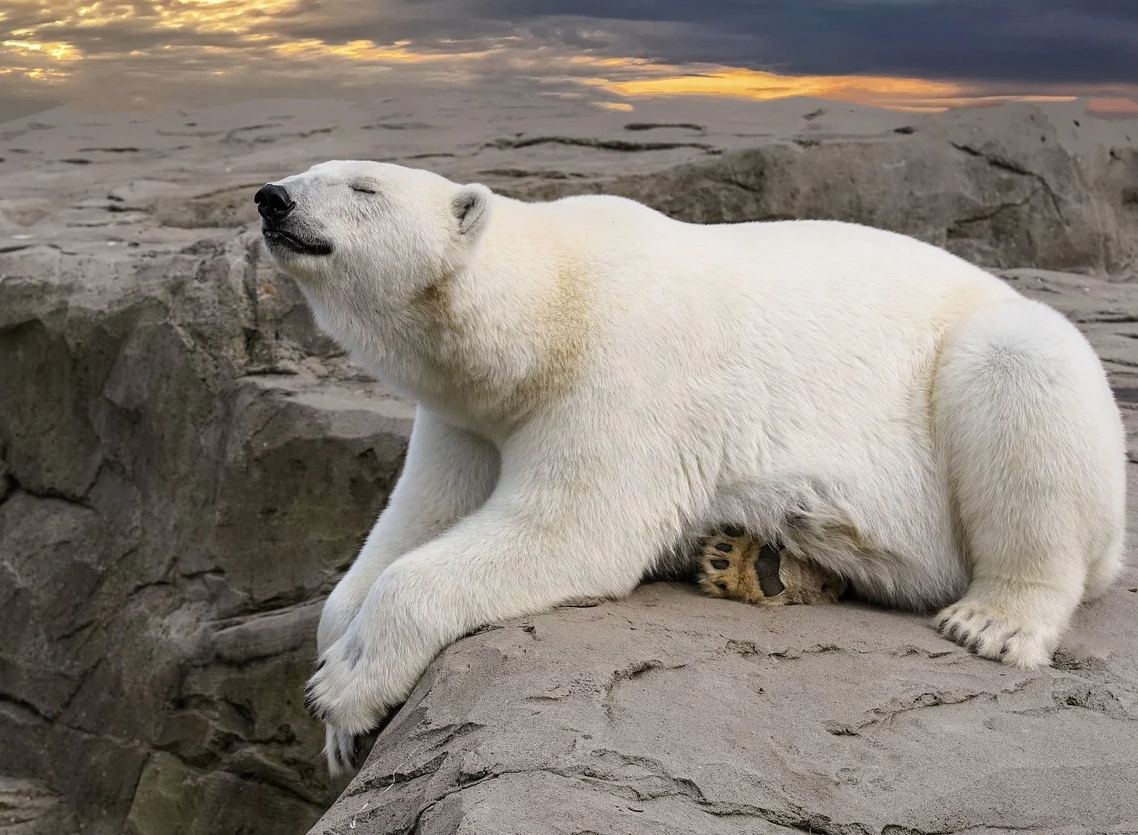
(488, 346)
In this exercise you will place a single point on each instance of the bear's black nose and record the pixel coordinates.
(273, 201)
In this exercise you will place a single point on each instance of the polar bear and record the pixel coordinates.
(598, 385)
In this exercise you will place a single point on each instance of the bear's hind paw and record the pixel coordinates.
(736, 566)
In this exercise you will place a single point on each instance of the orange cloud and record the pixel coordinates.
(913, 94)
(1113, 106)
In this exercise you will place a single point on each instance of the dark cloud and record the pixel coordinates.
(1053, 41)
(1048, 41)
(1004, 46)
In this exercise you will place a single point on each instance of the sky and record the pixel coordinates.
(908, 54)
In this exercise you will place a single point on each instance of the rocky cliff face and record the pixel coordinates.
(187, 465)
(176, 505)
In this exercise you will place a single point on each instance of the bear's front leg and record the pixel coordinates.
(448, 473)
(538, 542)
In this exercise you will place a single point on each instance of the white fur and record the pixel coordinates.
(599, 384)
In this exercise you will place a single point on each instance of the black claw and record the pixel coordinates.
(733, 531)
(352, 755)
(954, 633)
(940, 625)
(311, 706)
(720, 564)
(1004, 650)
(725, 547)
(362, 745)
(320, 664)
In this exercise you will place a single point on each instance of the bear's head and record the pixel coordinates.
(348, 227)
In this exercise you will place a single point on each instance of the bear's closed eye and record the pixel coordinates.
(362, 189)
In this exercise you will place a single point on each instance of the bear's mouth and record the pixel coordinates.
(278, 239)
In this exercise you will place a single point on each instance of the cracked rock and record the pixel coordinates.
(164, 539)
(682, 714)
(187, 465)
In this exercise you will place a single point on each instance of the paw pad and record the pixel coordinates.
(737, 566)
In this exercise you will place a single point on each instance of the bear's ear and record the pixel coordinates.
(471, 207)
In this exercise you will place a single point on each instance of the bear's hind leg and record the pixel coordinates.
(1035, 453)
(825, 536)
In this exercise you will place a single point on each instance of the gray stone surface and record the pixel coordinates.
(182, 490)
(187, 465)
(27, 807)
(679, 715)
(1010, 198)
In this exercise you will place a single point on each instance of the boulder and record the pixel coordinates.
(187, 466)
(172, 428)
(28, 807)
(679, 714)
(1012, 198)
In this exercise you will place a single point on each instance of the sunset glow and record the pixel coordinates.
(896, 93)
(370, 52)
(1113, 106)
(74, 47)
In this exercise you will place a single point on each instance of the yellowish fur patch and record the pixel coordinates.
(557, 335)
(566, 323)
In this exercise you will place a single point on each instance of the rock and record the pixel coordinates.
(165, 537)
(682, 714)
(1000, 200)
(27, 807)
(187, 465)
(175, 797)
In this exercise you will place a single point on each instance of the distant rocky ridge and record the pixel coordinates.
(1011, 200)
(187, 465)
